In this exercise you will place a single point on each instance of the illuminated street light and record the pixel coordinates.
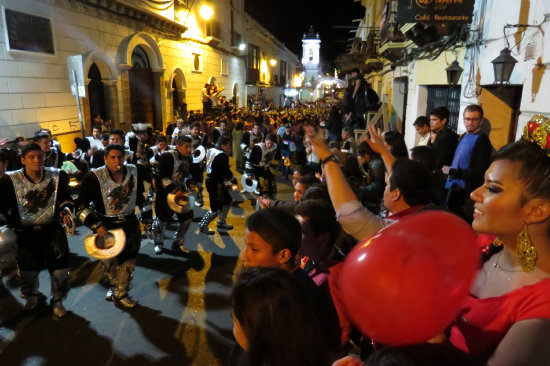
(206, 12)
(273, 62)
(242, 46)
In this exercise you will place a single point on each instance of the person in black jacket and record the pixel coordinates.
(252, 138)
(198, 138)
(334, 124)
(33, 201)
(471, 159)
(173, 175)
(286, 140)
(221, 130)
(52, 156)
(218, 176)
(359, 98)
(443, 140)
(107, 200)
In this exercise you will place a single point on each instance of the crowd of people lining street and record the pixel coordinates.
(286, 303)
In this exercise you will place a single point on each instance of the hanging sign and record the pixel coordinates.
(76, 76)
(434, 11)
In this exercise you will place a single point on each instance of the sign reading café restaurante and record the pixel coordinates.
(434, 11)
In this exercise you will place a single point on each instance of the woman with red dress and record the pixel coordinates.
(506, 319)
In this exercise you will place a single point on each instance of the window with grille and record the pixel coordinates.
(253, 57)
(283, 71)
(445, 96)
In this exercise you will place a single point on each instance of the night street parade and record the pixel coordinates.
(274, 183)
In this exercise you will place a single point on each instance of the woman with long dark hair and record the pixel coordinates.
(274, 321)
(506, 320)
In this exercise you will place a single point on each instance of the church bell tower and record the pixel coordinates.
(311, 45)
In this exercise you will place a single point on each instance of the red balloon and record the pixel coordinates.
(407, 283)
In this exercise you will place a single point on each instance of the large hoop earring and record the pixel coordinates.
(525, 251)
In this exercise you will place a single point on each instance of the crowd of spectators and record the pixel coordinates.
(286, 304)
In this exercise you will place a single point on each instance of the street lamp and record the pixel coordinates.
(273, 62)
(242, 46)
(453, 73)
(206, 12)
(503, 66)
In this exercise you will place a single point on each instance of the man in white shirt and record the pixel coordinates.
(96, 140)
(178, 130)
(422, 126)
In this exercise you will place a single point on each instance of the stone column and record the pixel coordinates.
(125, 106)
(159, 96)
(111, 102)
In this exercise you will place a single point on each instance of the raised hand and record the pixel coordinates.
(376, 140)
(317, 141)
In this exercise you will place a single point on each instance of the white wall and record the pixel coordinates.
(494, 20)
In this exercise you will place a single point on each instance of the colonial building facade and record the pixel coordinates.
(407, 64)
(141, 60)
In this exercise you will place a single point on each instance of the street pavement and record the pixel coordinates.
(184, 317)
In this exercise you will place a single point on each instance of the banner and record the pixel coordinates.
(434, 11)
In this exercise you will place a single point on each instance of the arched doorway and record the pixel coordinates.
(175, 99)
(96, 92)
(142, 89)
(178, 97)
(102, 96)
(142, 73)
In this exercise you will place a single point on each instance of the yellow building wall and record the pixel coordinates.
(432, 72)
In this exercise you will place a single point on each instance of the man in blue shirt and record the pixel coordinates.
(471, 160)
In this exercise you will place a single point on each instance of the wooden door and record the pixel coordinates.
(96, 96)
(141, 95)
(501, 107)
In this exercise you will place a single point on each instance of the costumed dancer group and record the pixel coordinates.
(34, 201)
(259, 151)
(38, 207)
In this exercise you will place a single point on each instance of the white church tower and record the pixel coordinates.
(311, 45)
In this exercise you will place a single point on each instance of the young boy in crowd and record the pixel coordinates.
(273, 238)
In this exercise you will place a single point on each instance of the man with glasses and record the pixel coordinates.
(471, 160)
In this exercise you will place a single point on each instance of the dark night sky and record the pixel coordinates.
(289, 19)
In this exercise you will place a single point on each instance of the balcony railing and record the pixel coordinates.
(370, 47)
(390, 30)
